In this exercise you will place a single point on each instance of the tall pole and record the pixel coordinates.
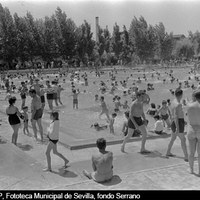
(97, 29)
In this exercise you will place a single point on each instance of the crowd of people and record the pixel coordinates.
(170, 114)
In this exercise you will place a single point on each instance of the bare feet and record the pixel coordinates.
(170, 155)
(145, 151)
(47, 170)
(122, 150)
(66, 164)
(87, 174)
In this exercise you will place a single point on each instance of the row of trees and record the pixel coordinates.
(58, 37)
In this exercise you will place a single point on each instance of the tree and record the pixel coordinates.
(85, 44)
(7, 35)
(21, 36)
(67, 28)
(34, 39)
(184, 49)
(125, 54)
(195, 39)
(141, 38)
(116, 42)
(49, 46)
(165, 42)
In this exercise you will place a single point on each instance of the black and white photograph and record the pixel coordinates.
(99, 95)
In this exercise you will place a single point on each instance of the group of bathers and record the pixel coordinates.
(140, 122)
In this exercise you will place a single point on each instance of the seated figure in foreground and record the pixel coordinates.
(102, 163)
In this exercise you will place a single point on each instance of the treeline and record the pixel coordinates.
(58, 37)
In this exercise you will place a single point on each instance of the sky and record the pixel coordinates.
(178, 16)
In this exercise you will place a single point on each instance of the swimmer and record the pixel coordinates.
(178, 124)
(137, 120)
(104, 109)
(165, 114)
(111, 122)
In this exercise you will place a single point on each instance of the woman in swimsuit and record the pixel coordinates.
(13, 118)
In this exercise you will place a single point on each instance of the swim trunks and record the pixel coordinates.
(152, 112)
(42, 99)
(75, 101)
(50, 96)
(181, 123)
(54, 95)
(23, 96)
(165, 117)
(159, 132)
(138, 120)
(116, 109)
(38, 114)
(54, 141)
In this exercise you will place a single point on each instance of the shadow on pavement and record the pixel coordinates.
(155, 154)
(155, 136)
(24, 147)
(2, 141)
(65, 173)
(114, 181)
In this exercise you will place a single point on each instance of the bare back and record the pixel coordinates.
(103, 162)
(193, 113)
(177, 110)
(136, 109)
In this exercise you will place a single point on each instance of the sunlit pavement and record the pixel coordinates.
(22, 167)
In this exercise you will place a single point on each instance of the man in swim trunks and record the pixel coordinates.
(193, 133)
(37, 112)
(178, 124)
(137, 121)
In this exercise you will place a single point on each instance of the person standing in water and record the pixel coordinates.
(36, 113)
(137, 121)
(178, 124)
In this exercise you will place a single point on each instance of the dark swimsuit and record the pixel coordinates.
(181, 123)
(23, 96)
(152, 112)
(13, 119)
(38, 114)
(165, 117)
(54, 141)
(42, 99)
(50, 96)
(55, 96)
(138, 120)
(75, 101)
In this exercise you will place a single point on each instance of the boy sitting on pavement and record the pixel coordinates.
(158, 125)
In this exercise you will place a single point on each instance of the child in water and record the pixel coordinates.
(111, 122)
(25, 114)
